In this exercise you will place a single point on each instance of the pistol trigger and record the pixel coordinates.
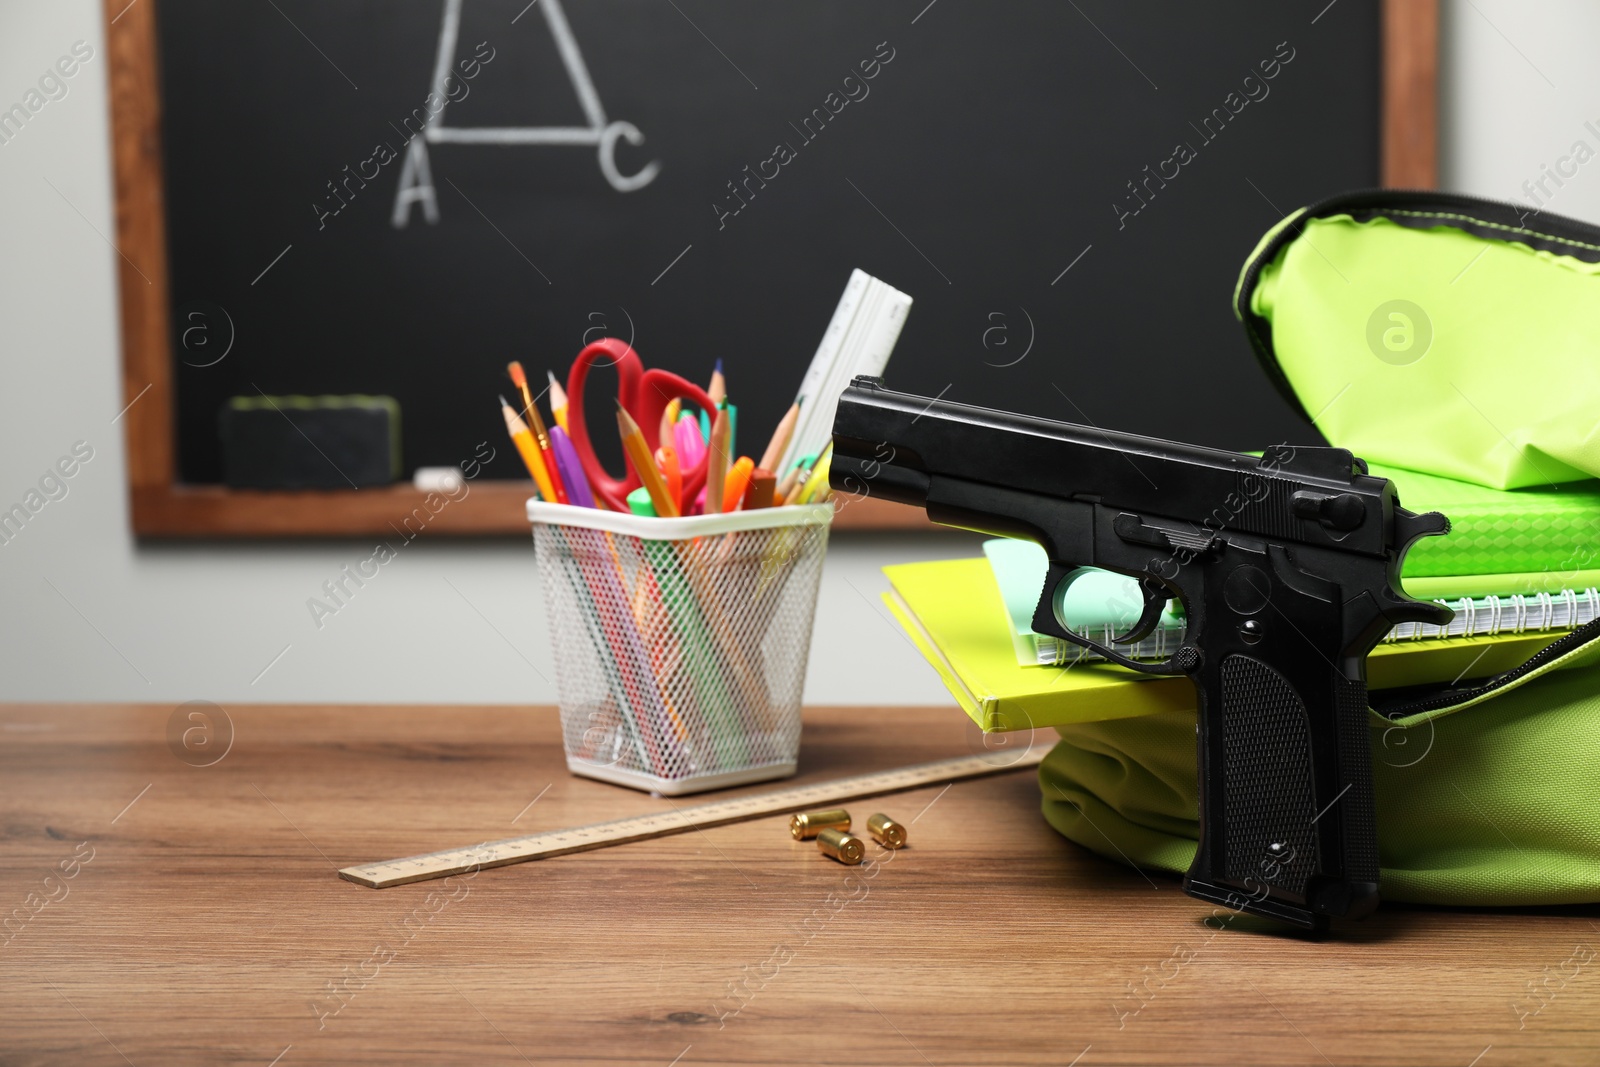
(1155, 602)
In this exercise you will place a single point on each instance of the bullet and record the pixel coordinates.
(886, 831)
(841, 846)
(808, 824)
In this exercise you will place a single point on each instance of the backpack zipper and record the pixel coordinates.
(1554, 650)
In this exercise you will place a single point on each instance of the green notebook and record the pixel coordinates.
(1501, 541)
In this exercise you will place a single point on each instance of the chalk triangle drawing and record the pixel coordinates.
(416, 173)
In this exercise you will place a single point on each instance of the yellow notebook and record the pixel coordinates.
(953, 613)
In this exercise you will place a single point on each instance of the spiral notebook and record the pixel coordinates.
(1103, 605)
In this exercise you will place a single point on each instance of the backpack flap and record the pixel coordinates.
(1441, 333)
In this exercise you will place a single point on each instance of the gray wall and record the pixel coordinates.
(1518, 83)
(86, 614)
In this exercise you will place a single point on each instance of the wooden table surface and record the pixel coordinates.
(163, 913)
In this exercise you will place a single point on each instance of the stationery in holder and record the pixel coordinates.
(680, 643)
(681, 595)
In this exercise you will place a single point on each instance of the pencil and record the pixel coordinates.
(786, 487)
(522, 437)
(558, 401)
(672, 471)
(780, 438)
(717, 465)
(816, 488)
(540, 434)
(638, 452)
(718, 389)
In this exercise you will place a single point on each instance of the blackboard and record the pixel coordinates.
(1066, 189)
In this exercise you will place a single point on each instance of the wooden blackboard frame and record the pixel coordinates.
(162, 506)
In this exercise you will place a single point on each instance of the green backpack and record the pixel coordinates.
(1424, 331)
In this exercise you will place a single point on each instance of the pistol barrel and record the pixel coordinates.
(967, 460)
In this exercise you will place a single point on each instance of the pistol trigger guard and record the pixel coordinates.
(1155, 602)
(1057, 580)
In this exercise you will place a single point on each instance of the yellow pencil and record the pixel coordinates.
(558, 401)
(633, 443)
(717, 465)
(522, 437)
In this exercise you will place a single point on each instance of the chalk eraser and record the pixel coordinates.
(310, 442)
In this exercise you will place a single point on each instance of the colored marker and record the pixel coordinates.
(760, 490)
(691, 446)
(672, 471)
(738, 480)
(577, 484)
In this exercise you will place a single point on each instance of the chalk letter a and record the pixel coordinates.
(416, 185)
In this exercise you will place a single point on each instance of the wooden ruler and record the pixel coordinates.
(681, 820)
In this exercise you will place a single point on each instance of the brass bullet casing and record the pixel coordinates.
(886, 831)
(808, 824)
(841, 846)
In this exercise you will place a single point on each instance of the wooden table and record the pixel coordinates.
(203, 923)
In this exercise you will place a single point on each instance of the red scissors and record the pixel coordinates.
(644, 395)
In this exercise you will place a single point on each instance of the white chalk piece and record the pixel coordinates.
(437, 480)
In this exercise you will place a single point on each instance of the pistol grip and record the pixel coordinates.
(1274, 838)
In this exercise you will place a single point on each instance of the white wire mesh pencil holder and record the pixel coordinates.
(680, 644)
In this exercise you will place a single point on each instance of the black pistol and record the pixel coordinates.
(1288, 568)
